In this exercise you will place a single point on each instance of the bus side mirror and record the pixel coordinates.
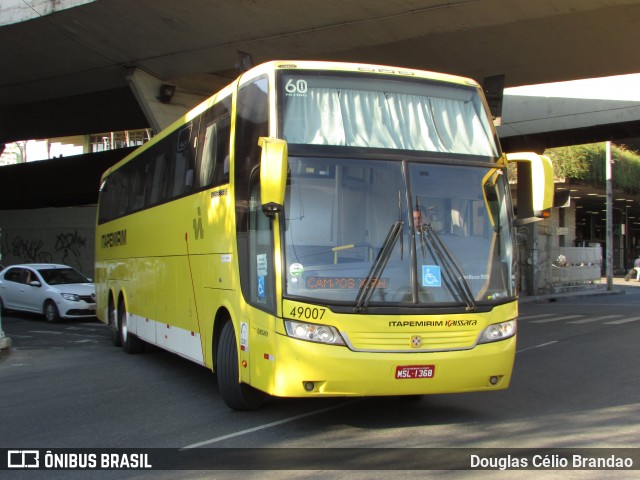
(273, 174)
(535, 186)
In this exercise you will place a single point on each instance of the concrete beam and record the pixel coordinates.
(16, 11)
(574, 112)
(160, 113)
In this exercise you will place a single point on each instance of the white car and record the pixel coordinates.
(57, 291)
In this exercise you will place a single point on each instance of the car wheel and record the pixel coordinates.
(130, 342)
(113, 325)
(51, 312)
(237, 395)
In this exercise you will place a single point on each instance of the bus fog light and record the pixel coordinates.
(498, 331)
(313, 332)
(494, 380)
(309, 386)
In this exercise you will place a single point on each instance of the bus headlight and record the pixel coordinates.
(313, 332)
(498, 331)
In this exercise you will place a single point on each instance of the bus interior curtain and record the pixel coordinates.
(328, 116)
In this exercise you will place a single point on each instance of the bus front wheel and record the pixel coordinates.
(237, 395)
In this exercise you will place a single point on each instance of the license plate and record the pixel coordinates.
(415, 371)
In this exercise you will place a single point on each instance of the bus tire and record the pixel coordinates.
(237, 395)
(113, 325)
(130, 343)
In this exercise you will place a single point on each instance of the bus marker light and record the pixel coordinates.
(244, 363)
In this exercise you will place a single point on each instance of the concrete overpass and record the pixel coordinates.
(571, 113)
(98, 65)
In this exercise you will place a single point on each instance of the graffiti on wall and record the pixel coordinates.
(67, 247)
(32, 251)
(70, 245)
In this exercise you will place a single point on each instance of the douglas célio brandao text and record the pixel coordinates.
(550, 461)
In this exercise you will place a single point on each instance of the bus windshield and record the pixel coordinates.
(400, 113)
(444, 230)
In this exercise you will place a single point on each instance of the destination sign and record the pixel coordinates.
(344, 283)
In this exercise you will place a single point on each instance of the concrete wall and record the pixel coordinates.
(50, 235)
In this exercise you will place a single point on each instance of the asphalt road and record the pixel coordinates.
(576, 385)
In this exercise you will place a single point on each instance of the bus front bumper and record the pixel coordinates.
(306, 369)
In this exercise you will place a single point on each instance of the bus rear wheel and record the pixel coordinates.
(130, 342)
(113, 325)
(237, 395)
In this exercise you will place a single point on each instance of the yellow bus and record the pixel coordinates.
(321, 229)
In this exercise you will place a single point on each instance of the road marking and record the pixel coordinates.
(530, 317)
(595, 319)
(537, 346)
(557, 319)
(624, 320)
(265, 426)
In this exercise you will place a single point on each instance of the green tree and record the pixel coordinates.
(586, 164)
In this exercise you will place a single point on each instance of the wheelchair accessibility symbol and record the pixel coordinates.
(431, 276)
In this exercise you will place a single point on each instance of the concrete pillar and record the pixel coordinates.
(5, 342)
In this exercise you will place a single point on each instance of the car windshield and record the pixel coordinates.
(364, 232)
(62, 276)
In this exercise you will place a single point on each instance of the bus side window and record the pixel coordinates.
(251, 123)
(159, 176)
(148, 176)
(105, 203)
(213, 146)
(182, 181)
(208, 159)
(121, 186)
(136, 171)
(222, 156)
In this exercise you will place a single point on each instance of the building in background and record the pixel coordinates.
(44, 149)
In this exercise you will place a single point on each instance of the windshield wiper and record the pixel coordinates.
(449, 264)
(374, 276)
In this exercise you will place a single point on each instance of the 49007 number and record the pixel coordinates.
(308, 313)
